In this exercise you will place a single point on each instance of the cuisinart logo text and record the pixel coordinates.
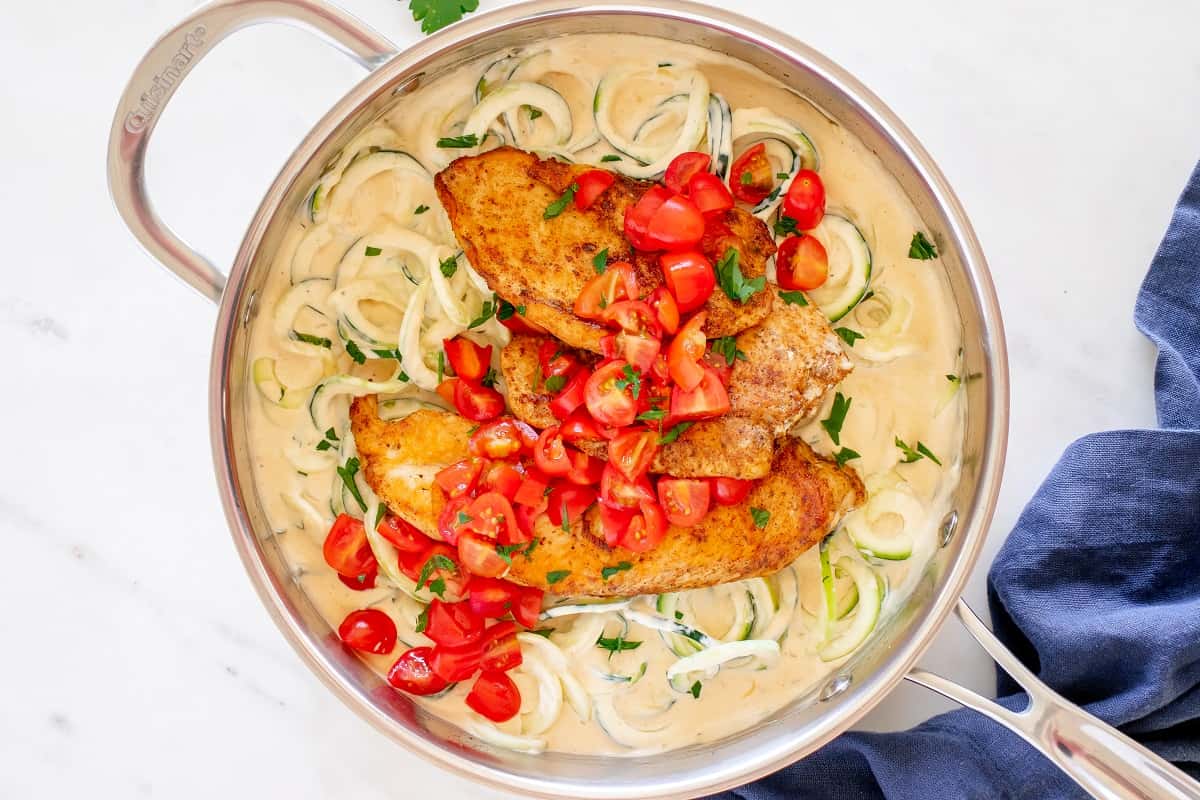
(165, 81)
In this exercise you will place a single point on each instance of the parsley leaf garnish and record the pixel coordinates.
(921, 248)
(441, 370)
(560, 205)
(785, 226)
(422, 620)
(451, 142)
(373, 251)
(616, 644)
(353, 350)
(347, 474)
(837, 415)
(609, 157)
(925, 451)
(726, 347)
(554, 576)
(505, 551)
(761, 516)
(783, 176)
(652, 415)
(844, 455)
(329, 442)
(489, 380)
(632, 380)
(695, 690)
(848, 335)
(953, 378)
(437, 14)
(485, 314)
(674, 433)
(910, 454)
(449, 266)
(543, 632)
(435, 562)
(534, 113)
(608, 572)
(566, 519)
(733, 282)
(555, 383)
(794, 298)
(421, 209)
(600, 261)
(747, 178)
(308, 338)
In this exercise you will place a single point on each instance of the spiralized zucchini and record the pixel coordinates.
(645, 159)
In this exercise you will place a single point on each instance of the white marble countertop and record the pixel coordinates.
(139, 662)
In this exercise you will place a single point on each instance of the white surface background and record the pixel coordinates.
(138, 660)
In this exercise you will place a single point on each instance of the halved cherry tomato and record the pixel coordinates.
(413, 565)
(633, 316)
(528, 607)
(502, 438)
(645, 530)
(501, 650)
(585, 469)
(609, 403)
(709, 193)
(404, 537)
(527, 517)
(581, 427)
(640, 351)
(571, 396)
(517, 323)
(490, 515)
(686, 352)
(592, 184)
(632, 452)
(478, 554)
(495, 696)
(460, 478)
(676, 225)
(454, 664)
(751, 178)
(468, 360)
(571, 500)
(608, 346)
(637, 217)
(411, 673)
(683, 167)
(369, 630)
(532, 493)
(360, 583)
(617, 283)
(618, 492)
(801, 263)
(666, 310)
(452, 624)
(709, 399)
(690, 277)
(614, 522)
(346, 548)
(550, 453)
(491, 597)
(452, 517)
(446, 388)
(805, 200)
(729, 491)
(683, 500)
(476, 402)
(555, 358)
(503, 478)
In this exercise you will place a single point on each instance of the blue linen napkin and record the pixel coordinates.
(1097, 590)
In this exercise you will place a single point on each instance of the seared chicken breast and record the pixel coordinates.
(805, 496)
(497, 202)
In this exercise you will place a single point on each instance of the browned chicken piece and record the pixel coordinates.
(496, 202)
(805, 496)
(792, 359)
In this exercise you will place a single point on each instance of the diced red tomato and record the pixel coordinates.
(632, 451)
(454, 664)
(614, 521)
(446, 388)
(683, 167)
(476, 402)
(478, 555)
(556, 358)
(751, 178)
(676, 225)
(531, 493)
(729, 491)
(617, 283)
(460, 478)
(640, 351)
(452, 624)
(592, 184)
(411, 673)
(666, 310)
(571, 396)
(709, 399)
(608, 346)
(637, 218)
(646, 529)
(346, 548)
(502, 438)
(618, 492)
(550, 452)
(490, 515)
(686, 352)
(581, 427)
(369, 630)
(717, 363)
(469, 361)
(805, 200)
(528, 607)
(503, 478)
(609, 403)
(683, 500)
(633, 316)
(495, 696)
(690, 277)
(801, 263)
(571, 499)
(452, 517)
(492, 598)
(517, 323)
(527, 517)
(360, 583)
(501, 650)
(585, 469)
(403, 536)
(709, 193)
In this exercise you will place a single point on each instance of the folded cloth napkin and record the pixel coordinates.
(1097, 590)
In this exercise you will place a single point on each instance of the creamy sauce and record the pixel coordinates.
(898, 388)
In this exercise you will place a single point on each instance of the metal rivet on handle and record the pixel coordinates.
(836, 685)
(948, 527)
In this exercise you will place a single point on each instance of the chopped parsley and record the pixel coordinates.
(632, 380)
(534, 113)
(421, 209)
(747, 178)
(566, 518)
(608, 572)
(616, 644)
(543, 632)
(953, 378)
(837, 416)
(695, 690)
(485, 314)
(609, 157)
(554, 576)
(555, 383)
(451, 142)
(463, 518)
(794, 298)
(505, 309)
(373, 251)
(353, 350)
(329, 442)
(733, 282)
(422, 620)
(489, 380)
(441, 370)
(844, 455)
(532, 543)
(449, 266)
(308, 338)
(435, 562)
(347, 474)
(674, 433)
(785, 226)
(921, 248)
(652, 415)
(437, 14)
(783, 176)
(600, 261)
(505, 551)
(560, 205)
(848, 335)
(726, 347)
(761, 516)
(911, 454)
